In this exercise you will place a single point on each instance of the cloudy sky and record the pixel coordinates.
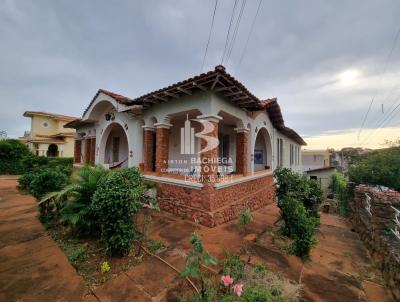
(324, 60)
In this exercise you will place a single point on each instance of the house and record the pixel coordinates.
(317, 165)
(47, 136)
(209, 144)
(315, 159)
(323, 176)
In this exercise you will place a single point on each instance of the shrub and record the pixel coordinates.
(339, 189)
(77, 199)
(307, 191)
(36, 163)
(115, 203)
(381, 167)
(298, 225)
(12, 154)
(244, 218)
(47, 181)
(24, 182)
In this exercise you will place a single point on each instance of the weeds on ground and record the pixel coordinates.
(244, 218)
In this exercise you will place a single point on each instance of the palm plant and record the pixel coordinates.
(74, 201)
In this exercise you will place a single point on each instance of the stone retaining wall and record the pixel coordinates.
(211, 206)
(371, 214)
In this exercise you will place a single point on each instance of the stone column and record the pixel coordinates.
(86, 158)
(209, 158)
(242, 139)
(77, 151)
(148, 146)
(162, 147)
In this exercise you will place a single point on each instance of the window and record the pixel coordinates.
(279, 144)
(291, 154)
(297, 155)
(258, 157)
(224, 146)
(45, 124)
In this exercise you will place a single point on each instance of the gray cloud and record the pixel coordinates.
(54, 55)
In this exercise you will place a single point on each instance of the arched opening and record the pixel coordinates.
(262, 151)
(114, 147)
(52, 151)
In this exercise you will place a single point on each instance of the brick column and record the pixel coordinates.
(242, 139)
(77, 151)
(162, 147)
(92, 151)
(148, 147)
(86, 158)
(209, 164)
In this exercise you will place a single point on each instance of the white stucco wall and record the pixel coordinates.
(204, 103)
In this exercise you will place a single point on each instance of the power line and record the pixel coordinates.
(209, 36)
(380, 79)
(236, 29)
(229, 30)
(251, 31)
(383, 122)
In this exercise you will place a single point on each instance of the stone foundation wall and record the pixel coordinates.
(210, 206)
(372, 215)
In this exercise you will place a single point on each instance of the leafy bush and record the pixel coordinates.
(308, 191)
(298, 225)
(381, 167)
(244, 218)
(12, 154)
(115, 202)
(46, 181)
(76, 199)
(339, 189)
(24, 182)
(36, 163)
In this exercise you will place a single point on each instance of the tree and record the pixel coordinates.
(381, 167)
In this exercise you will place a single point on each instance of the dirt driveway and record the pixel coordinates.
(33, 268)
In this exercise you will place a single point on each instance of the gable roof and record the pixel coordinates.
(217, 81)
(50, 115)
(117, 97)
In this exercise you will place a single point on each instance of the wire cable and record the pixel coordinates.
(380, 79)
(229, 30)
(236, 29)
(209, 36)
(248, 37)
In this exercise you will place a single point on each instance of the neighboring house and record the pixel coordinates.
(315, 159)
(47, 136)
(209, 144)
(323, 176)
(317, 165)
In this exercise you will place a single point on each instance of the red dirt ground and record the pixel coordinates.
(33, 268)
